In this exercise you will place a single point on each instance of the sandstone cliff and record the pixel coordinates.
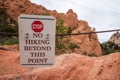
(89, 44)
(67, 67)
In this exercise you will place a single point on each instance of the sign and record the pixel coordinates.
(36, 40)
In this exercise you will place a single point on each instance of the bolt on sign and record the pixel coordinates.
(37, 40)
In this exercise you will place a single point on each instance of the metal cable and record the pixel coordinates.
(105, 31)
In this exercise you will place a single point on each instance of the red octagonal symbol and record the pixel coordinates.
(37, 26)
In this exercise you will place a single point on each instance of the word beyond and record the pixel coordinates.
(37, 48)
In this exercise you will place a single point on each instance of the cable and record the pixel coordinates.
(8, 34)
(15, 34)
(88, 32)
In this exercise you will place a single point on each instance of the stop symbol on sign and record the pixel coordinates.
(37, 26)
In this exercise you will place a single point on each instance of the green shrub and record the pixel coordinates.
(73, 45)
(92, 55)
(63, 44)
(9, 40)
(109, 47)
(6, 21)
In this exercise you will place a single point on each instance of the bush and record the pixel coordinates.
(63, 44)
(73, 46)
(92, 55)
(6, 21)
(9, 40)
(109, 47)
(7, 24)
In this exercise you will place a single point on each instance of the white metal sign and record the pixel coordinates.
(36, 40)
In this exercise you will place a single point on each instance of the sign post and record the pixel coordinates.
(36, 40)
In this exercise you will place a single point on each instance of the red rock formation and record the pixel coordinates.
(67, 67)
(71, 19)
(3, 4)
(89, 44)
(9, 62)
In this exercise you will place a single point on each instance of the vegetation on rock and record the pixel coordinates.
(63, 43)
(109, 47)
(7, 24)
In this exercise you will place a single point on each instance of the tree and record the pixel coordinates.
(63, 43)
(109, 47)
(6, 21)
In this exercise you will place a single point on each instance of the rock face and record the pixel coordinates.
(115, 38)
(9, 62)
(3, 4)
(89, 44)
(67, 67)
